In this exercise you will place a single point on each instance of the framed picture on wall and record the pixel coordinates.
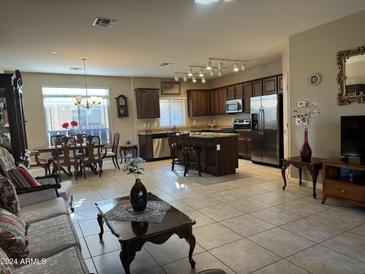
(170, 88)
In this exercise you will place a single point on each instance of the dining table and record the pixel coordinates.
(52, 149)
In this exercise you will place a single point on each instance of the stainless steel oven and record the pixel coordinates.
(234, 106)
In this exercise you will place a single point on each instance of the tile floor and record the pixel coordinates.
(245, 223)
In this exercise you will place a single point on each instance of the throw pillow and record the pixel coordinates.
(17, 179)
(27, 176)
(13, 235)
(5, 266)
(8, 197)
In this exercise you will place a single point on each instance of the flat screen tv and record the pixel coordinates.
(353, 136)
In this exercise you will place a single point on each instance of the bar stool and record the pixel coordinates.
(127, 148)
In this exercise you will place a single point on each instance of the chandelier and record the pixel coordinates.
(86, 102)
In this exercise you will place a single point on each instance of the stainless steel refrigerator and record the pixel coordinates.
(267, 129)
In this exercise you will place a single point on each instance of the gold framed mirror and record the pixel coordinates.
(351, 76)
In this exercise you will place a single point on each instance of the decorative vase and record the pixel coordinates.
(305, 150)
(138, 196)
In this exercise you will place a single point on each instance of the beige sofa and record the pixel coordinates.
(52, 237)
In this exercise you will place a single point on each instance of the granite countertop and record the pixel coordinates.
(211, 134)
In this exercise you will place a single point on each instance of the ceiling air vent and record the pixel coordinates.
(103, 22)
(164, 64)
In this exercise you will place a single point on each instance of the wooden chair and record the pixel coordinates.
(113, 154)
(92, 155)
(41, 162)
(175, 150)
(67, 156)
(191, 154)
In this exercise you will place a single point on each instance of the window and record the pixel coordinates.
(59, 108)
(172, 112)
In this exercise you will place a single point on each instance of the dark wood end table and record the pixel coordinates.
(133, 235)
(314, 166)
(124, 149)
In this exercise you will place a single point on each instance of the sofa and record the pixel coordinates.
(52, 238)
(49, 188)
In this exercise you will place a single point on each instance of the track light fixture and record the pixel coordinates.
(190, 72)
(219, 73)
(203, 80)
(193, 79)
(235, 67)
(243, 67)
(201, 74)
(185, 78)
(211, 73)
(176, 78)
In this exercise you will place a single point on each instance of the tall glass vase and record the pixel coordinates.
(305, 150)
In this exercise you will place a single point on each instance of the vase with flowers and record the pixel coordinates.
(72, 130)
(304, 116)
(138, 194)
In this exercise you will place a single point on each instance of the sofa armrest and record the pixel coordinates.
(37, 195)
(50, 179)
(20, 191)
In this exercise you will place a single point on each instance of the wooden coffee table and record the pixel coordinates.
(133, 235)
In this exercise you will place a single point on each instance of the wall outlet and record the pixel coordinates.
(302, 104)
(194, 122)
(218, 147)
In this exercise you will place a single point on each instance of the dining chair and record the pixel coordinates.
(191, 154)
(113, 154)
(67, 156)
(175, 149)
(45, 163)
(92, 155)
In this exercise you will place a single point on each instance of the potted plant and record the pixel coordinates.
(303, 117)
(138, 194)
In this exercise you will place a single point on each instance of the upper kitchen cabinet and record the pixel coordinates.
(230, 92)
(269, 86)
(247, 94)
(257, 88)
(238, 91)
(280, 84)
(148, 103)
(198, 102)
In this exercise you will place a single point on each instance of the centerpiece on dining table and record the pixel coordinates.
(138, 194)
(71, 131)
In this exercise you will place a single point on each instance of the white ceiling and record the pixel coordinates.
(149, 32)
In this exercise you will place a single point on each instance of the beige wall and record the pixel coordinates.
(315, 51)
(33, 102)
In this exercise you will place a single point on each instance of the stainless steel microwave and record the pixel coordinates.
(234, 106)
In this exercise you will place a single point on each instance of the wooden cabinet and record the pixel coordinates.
(230, 92)
(280, 84)
(198, 102)
(12, 127)
(217, 101)
(244, 144)
(269, 86)
(257, 88)
(238, 91)
(344, 180)
(247, 94)
(148, 103)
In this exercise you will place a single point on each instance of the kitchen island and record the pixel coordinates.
(219, 152)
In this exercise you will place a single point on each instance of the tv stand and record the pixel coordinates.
(344, 180)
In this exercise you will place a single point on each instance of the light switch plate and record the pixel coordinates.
(302, 104)
(218, 147)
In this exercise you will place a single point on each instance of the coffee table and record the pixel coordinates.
(133, 235)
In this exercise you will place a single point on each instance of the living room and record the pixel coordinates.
(220, 210)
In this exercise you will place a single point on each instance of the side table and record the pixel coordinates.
(124, 149)
(314, 166)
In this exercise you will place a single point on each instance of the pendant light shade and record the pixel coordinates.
(209, 65)
(190, 72)
(235, 67)
(176, 78)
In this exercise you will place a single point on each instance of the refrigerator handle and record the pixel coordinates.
(260, 122)
(263, 121)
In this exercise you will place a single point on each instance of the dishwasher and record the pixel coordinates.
(160, 146)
